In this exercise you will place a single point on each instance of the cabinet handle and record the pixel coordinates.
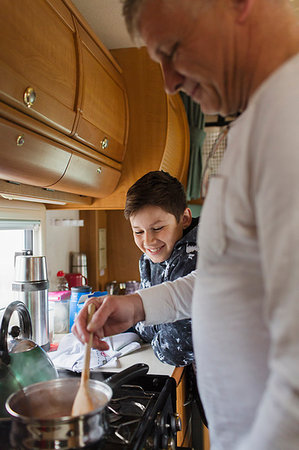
(29, 96)
(104, 143)
(99, 169)
(20, 140)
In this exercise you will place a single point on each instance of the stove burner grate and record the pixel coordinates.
(127, 411)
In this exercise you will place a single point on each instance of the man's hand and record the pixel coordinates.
(114, 314)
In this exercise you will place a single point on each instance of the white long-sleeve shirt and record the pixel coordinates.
(245, 308)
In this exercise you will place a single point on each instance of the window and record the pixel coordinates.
(22, 228)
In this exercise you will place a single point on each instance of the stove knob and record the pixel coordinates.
(159, 431)
(175, 423)
(171, 445)
(167, 443)
(149, 444)
(160, 422)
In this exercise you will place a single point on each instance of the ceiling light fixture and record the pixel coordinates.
(32, 199)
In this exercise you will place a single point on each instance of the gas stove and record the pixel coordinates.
(141, 415)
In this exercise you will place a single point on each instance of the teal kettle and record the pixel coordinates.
(22, 361)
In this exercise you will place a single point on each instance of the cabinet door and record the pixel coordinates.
(89, 177)
(103, 117)
(29, 158)
(38, 57)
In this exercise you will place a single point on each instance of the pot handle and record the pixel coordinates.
(119, 378)
(25, 325)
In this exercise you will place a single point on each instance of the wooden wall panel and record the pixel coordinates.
(89, 244)
(122, 253)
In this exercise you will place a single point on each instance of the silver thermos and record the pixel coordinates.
(31, 283)
(78, 263)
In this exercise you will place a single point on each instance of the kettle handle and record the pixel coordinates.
(25, 323)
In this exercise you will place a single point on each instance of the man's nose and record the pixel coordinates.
(173, 80)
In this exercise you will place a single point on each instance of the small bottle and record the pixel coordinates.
(76, 293)
(62, 284)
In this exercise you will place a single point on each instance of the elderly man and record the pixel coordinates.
(234, 57)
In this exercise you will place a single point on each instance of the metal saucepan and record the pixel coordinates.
(42, 418)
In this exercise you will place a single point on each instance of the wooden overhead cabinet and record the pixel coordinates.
(66, 91)
(38, 72)
(72, 99)
(159, 132)
(103, 100)
(88, 175)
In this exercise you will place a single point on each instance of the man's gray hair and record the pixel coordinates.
(131, 11)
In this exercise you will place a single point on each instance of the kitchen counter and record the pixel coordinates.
(143, 355)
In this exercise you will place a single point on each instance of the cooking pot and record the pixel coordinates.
(22, 362)
(42, 412)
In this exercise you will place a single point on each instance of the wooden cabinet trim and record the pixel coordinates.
(63, 12)
(79, 87)
(89, 30)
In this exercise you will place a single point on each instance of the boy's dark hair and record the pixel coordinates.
(156, 188)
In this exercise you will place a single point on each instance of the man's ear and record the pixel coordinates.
(187, 218)
(242, 8)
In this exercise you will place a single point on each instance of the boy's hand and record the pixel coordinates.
(114, 314)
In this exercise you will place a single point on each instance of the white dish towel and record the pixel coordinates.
(70, 352)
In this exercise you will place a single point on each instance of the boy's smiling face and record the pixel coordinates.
(156, 231)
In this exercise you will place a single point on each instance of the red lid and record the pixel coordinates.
(60, 273)
(54, 346)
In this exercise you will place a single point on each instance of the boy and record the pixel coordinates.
(165, 232)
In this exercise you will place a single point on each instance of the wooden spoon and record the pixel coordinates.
(83, 403)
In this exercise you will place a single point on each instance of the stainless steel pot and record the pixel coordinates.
(42, 418)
